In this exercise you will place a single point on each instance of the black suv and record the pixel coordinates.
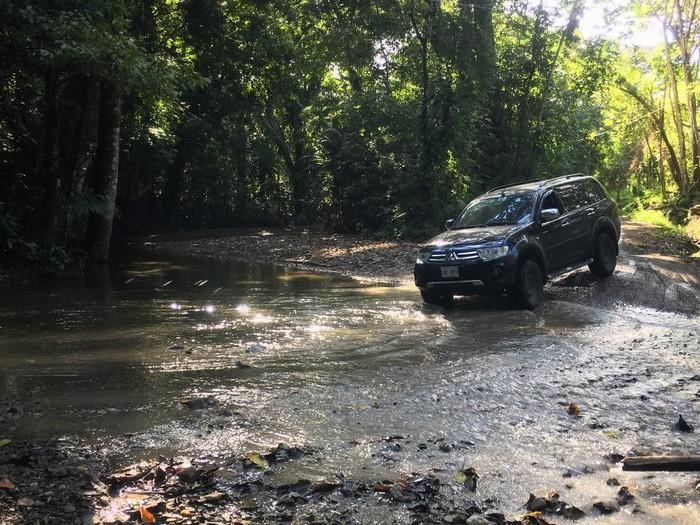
(514, 238)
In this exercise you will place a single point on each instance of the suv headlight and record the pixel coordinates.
(489, 254)
(423, 257)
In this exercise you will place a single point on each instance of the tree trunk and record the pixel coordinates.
(106, 171)
(677, 115)
(682, 36)
(658, 121)
(49, 166)
(662, 174)
(424, 186)
(172, 190)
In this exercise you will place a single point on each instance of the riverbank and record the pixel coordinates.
(60, 482)
(654, 269)
(357, 256)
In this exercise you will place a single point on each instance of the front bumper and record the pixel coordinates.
(474, 277)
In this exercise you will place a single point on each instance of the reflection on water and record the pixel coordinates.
(326, 362)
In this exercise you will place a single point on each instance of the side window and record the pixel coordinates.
(569, 197)
(595, 190)
(551, 201)
(583, 193)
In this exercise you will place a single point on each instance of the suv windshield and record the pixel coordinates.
(500, 209)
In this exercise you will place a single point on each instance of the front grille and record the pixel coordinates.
(456, 254)
(438, 256)
(465, 255)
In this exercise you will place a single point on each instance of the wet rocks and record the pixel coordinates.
(29, 493)
(199, 403)
(551, 504)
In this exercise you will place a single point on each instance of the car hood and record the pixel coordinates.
(480, 235)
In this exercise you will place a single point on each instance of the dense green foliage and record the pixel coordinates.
(383, 115)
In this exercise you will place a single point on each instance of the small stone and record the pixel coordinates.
(614, 457)
(25, 502)
(189, 475)
(478, 519)
(682, 426)
(536, 504)
(604, 508)
(612, 482)
(624, 496)
(69, 508)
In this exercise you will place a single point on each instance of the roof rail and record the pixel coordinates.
(528, 181)
(571, 176)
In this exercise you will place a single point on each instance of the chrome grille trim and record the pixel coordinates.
(457, 254)
(465, 255)
(438, 256)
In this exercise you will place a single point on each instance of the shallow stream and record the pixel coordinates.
(335, 365)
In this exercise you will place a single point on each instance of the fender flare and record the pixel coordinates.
(532, 250)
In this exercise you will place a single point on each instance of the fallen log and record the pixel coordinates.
(662, 464)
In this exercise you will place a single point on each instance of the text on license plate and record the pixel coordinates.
(449, 272)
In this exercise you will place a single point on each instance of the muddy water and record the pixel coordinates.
(336, 365)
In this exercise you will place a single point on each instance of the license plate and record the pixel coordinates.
(449, 272)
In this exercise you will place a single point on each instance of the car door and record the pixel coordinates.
(576, 221)
(552, 236)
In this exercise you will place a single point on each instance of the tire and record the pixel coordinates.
(605, 257)
(435, 298)
(529, 287)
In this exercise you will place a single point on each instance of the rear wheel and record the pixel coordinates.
(605, 258)
(529, 288)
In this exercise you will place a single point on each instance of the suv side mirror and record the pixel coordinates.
(549, 214)
(448, 223)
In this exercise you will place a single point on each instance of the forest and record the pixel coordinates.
(126, 117)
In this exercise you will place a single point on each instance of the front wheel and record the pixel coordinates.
(605, 258)
(529, 287)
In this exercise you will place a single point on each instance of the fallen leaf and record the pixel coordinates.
(382, 487)
(325, 485)
(213, 497)
(468, 477)
(611, 434)
(146, 516)
(258, 460)
(5, 442)
(574, 409)
(6, 484)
